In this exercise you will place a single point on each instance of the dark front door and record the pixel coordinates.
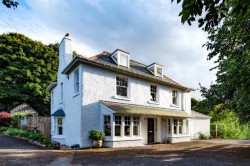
(150, 130)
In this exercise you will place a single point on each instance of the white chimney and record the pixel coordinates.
(65, 52)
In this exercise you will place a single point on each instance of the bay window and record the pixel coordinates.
(107, 125)
(127, 125)
(118, 123)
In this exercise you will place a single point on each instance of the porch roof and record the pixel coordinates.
(132, 109)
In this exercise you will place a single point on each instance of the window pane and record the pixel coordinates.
(123, 60)
(169, 126)
(159, 71)
(135, 130)
(153, 92)
(107, 125)
(127, 131)
(59, 126)
(175, 126)
(174, 97)
(121, 86)
(117, 130)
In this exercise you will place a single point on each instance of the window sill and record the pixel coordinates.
(58, 137)
(75, 95)
(176, 106)
(153, 102)
(179, 135)
(121, 98)
(127, 138)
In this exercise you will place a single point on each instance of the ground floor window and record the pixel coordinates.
(127, 126)
(169, 126)
(136, 126)
(59, 125)
(175, 126)
(180, 126)
(107, 125)
(118, 123)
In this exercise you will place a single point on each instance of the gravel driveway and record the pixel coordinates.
(212, 152)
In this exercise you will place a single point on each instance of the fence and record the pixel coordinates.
(39, 123)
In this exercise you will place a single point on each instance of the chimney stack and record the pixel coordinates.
(65, 52)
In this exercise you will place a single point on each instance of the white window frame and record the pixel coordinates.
(127, 87)
(125, 125)
(116, 56)
(110, 125)
(117, 124)
(57, 127)
(176, 97)
(52, 99)
(61, 95)
(76, 81)
(137, 125)
(156, 93)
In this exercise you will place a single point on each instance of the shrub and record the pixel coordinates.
(2, 129)
(17, 117)
(202, 136)
(5, 118)
(96, 135)
(229, 124)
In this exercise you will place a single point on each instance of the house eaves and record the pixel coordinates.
(122, 70)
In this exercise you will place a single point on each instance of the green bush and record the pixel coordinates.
(2, 129)
(35, 136)
(17, 117)
(96, 135)
(229, 124)
(202, 136)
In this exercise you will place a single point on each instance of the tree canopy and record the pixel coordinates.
(26, 68)
(10, 3)
(227, 23)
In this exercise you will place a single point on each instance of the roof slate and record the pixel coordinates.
(199, 115)
(136, 69)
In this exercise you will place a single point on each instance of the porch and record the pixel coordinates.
(132, 125)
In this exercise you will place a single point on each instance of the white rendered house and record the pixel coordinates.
(132, 103)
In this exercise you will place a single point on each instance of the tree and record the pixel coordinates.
(10, 3)
(194, 102)
(227, 23)
(27, 68)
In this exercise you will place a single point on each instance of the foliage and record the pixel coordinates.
(96, 135)
(10, 3)
(194, 102)
(2, 129)
(35, 136)
(5, 118)
(27, 68)
(17, 117)
(229, 124)
(202, 136)
(227, 23)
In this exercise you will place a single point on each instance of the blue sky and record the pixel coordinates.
(150, 31)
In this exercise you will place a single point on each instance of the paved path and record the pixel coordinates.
(7, 142)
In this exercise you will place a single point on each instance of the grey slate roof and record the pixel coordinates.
(59, 112)
(136, 69)
(198, 115)
(133, 109)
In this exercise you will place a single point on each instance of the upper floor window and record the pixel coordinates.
(153, 92)
(174, 97)
(76, 81)
(52, 98)
(121, 58)
(62, 91)
(122, 86)
(156, 69)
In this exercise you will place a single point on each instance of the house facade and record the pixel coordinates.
(131, 103)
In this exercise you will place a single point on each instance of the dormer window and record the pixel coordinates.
(156, 69)
(121, 58)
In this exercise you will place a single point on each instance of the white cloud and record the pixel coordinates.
(150, 30)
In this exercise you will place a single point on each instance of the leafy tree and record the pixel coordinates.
(227, 23)
(27, 68)
(10, 3)
(194, 102)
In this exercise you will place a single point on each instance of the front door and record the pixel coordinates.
(150, 130)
